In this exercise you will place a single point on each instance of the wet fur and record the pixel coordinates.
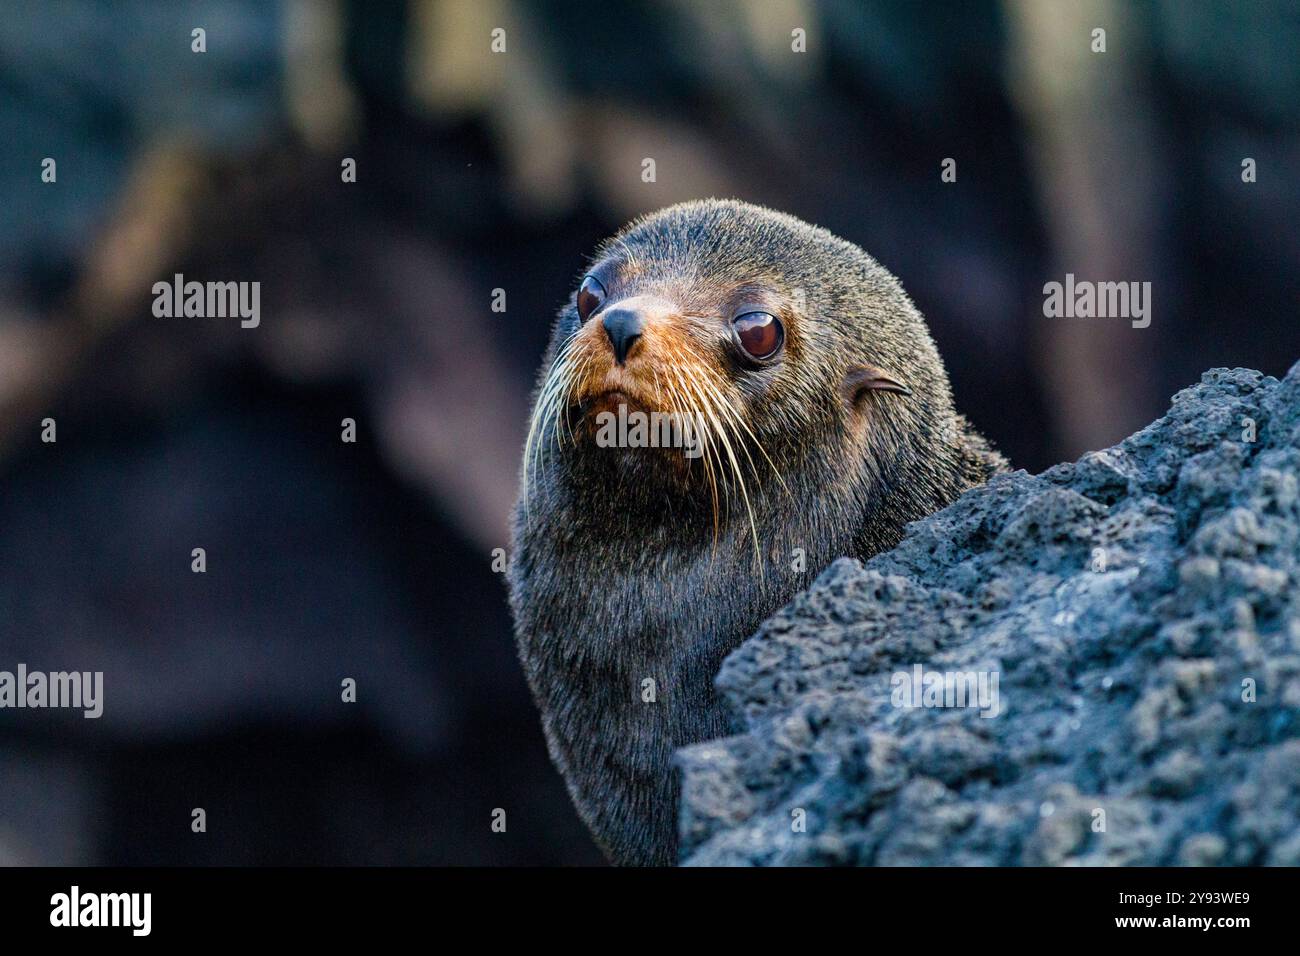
(617, 573)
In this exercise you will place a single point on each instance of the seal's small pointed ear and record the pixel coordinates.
(861, 379)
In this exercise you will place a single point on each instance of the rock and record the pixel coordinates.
(1117, 645)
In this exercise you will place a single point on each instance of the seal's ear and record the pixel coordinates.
(862, 379)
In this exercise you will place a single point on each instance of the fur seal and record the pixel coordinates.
(822, 423)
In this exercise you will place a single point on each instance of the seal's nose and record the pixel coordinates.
(623, 326)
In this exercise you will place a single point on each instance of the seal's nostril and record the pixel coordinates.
(623, 326)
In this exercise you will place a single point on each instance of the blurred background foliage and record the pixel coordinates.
(479, 171)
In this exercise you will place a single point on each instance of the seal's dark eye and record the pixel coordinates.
(760, 334)
(591, 296)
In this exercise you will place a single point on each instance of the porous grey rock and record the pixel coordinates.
(1138, 608)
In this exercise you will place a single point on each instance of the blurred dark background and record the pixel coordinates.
(479, 171)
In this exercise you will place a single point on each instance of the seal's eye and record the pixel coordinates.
(591, 296)
(760, 334)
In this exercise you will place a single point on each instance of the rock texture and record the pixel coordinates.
(1139, 611)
